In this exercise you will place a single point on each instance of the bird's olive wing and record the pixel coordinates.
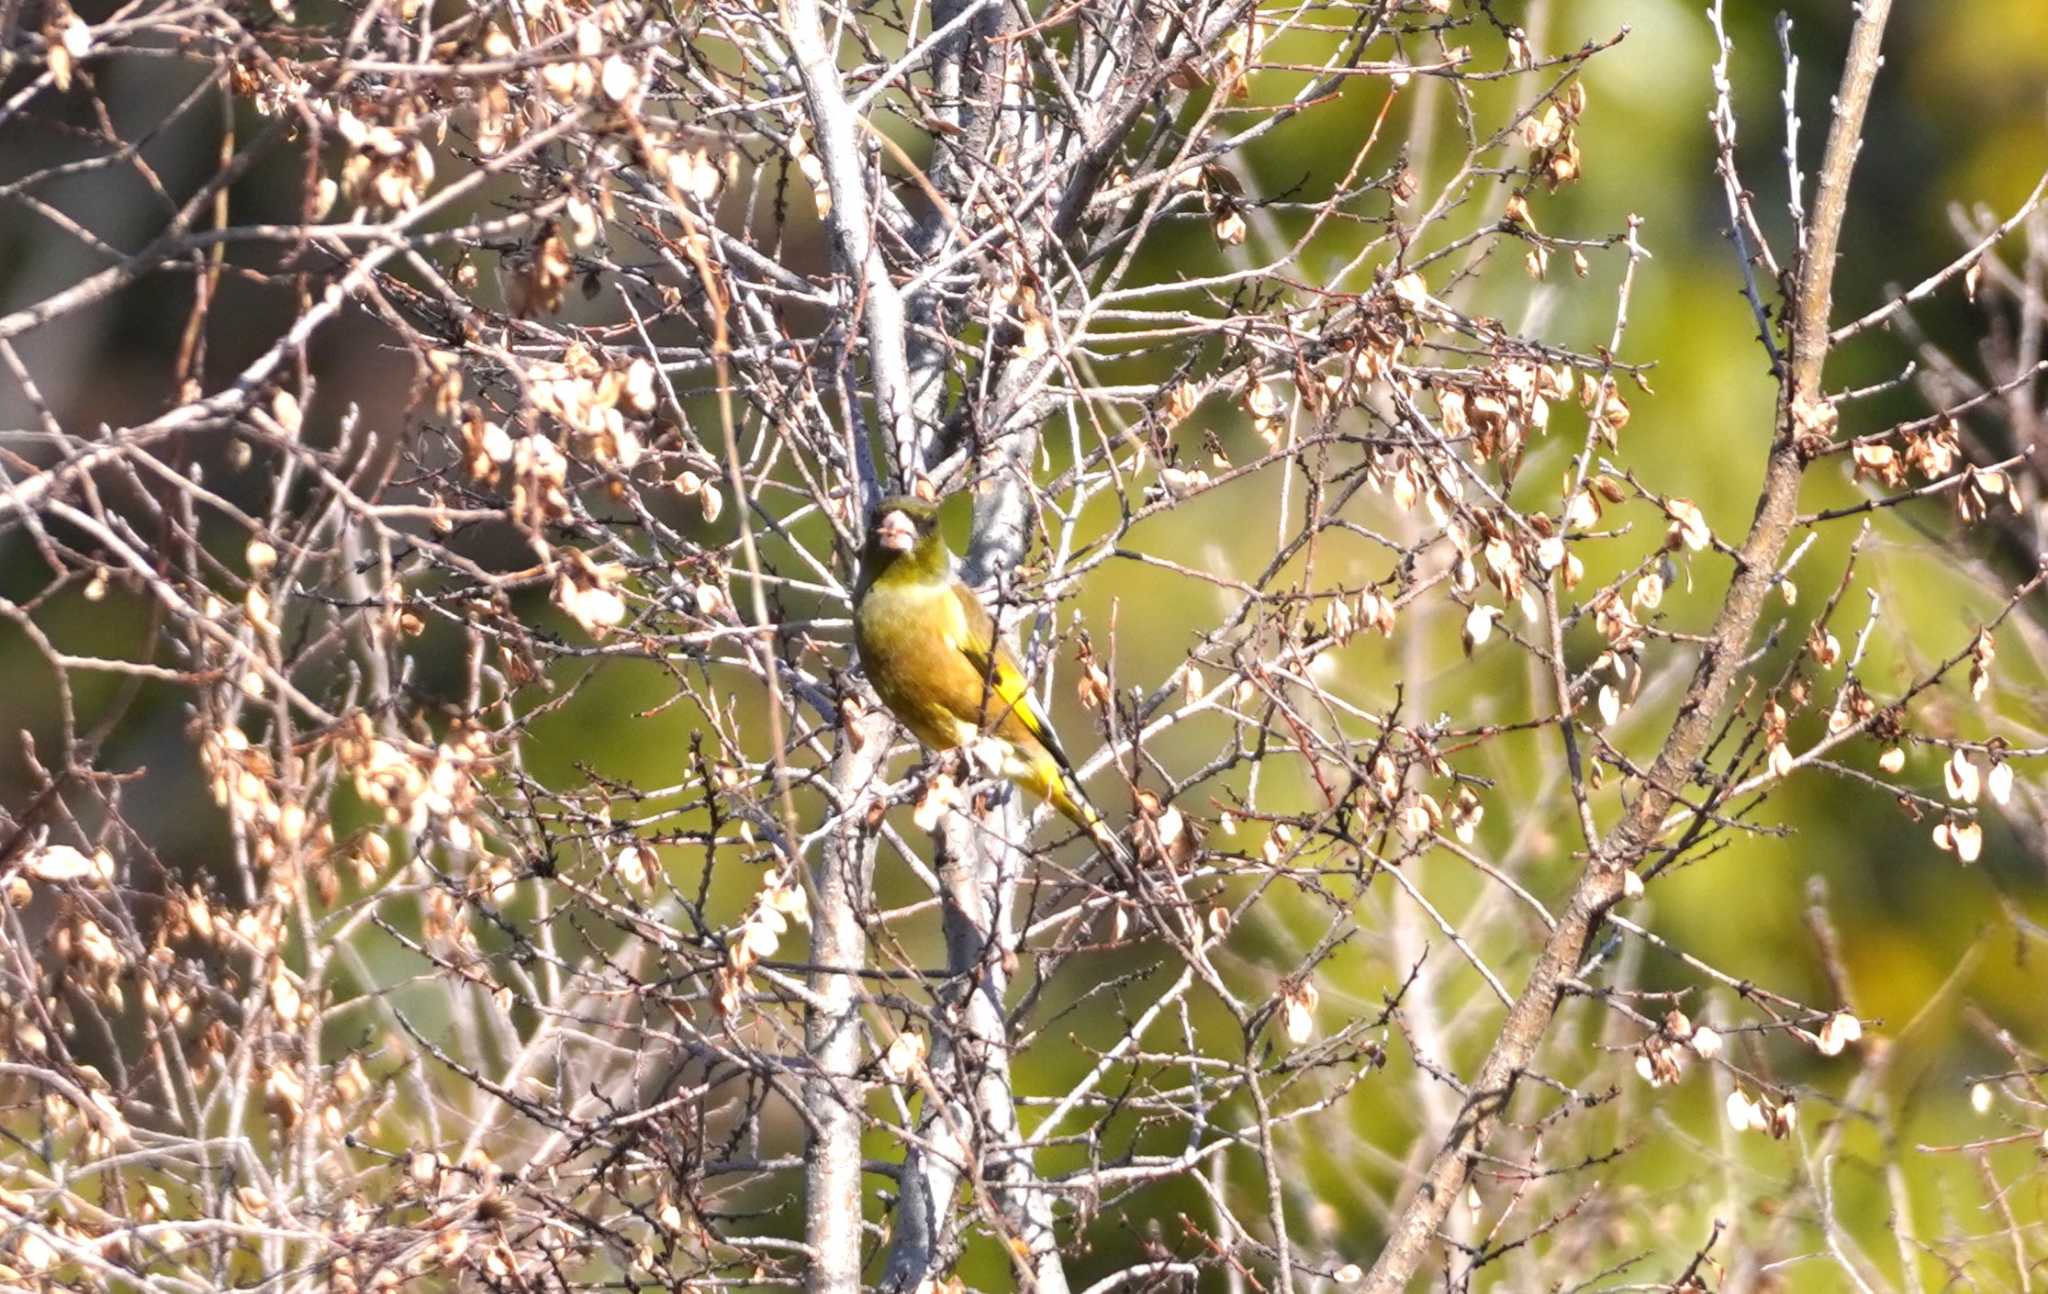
(1008, 694)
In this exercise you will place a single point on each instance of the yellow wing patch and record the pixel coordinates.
(1006, 691)
(1013, 695)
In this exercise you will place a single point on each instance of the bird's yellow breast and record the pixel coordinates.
(909, 640)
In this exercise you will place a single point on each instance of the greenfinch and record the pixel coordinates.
(935, 657)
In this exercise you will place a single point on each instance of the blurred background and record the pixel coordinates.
(1959, 121)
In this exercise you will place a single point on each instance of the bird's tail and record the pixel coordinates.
(1065, 794)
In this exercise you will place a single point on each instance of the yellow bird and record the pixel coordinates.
(938, 662)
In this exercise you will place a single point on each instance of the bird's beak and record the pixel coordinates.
(895, 533)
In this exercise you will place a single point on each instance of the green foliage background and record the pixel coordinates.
(1961, 116)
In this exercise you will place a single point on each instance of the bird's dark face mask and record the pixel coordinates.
(903, 525)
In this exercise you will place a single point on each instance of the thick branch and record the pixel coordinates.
(833, 1094)
(850, 223)
(1599, 886)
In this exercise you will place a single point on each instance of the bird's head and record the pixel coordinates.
(905, 538)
